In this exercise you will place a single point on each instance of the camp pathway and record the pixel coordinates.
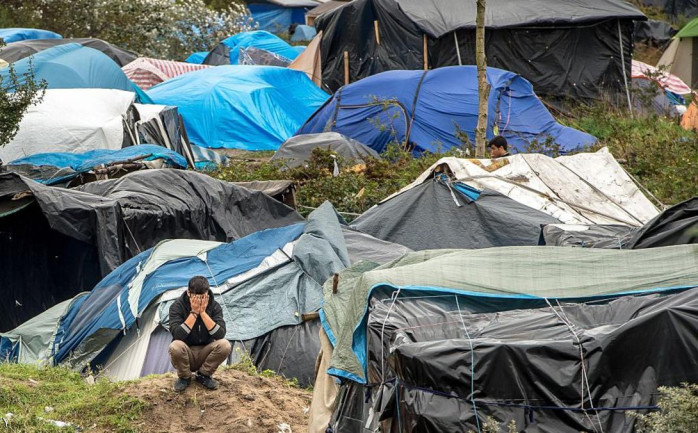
(242, 403)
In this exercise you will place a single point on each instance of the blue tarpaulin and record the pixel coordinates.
(241, 107)
(303, 33)
(197, 58)
(437, 109)
(262, 40)
(84, 162)
(73, 66)
(16, 34)
(276, 18)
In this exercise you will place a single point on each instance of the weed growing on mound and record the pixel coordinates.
(36, 395)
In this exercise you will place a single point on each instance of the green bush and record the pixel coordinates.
(678, 411)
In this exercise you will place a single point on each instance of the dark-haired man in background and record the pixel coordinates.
(498, 147)
(198, 333)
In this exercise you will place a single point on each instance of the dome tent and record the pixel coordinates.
(19, 34)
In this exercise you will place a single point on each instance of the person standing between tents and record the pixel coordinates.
(498, 147)
(198, 332)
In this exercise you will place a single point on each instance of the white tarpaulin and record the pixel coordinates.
(71, 120)
(586, 188)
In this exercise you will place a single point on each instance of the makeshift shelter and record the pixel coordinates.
(436, 110)
(439, 341)
(80, 235)
(679, 58)
(565, 49)
(147, 72)
(441, 214)
(72, 169)
(241, 107)
(309, 61)
(277, 15)
(20, 50)
(164, 126)
(303, 33)
(72, 120)
(73, 66)
(586, 188)
(228, 51)
(296, 150)
(677, 225)
(18, 34)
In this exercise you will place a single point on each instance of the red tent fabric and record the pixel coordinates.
(668, 81)
(147, 72)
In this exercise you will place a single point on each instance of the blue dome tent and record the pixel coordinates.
(228, 51)
(73, 66)
(241, 107)
(435, 110)
(303, 33)
(18, 34)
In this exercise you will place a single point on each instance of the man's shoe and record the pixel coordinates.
(181, 384)
(206, 381)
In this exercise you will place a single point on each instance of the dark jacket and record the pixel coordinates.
(198, 335)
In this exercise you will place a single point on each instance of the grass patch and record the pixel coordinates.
(26, 391)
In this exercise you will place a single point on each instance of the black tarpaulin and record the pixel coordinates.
(436, 215)
(21, 49)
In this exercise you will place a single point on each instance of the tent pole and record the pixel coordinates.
(625, 76)
(455, 38)
(426, 53)
(376, 29)
(346, 68)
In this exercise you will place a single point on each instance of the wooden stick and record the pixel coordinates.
(378, 35)
(335, 282)
(310, 316)
(346, 67)
(426, 53)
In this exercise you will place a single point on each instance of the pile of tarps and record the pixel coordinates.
(436, 110)
(73, 66)
(297, 150)
(552, 338)
(241, 107)
(675, 226)
(72, 169)
(269, 284)
(147, 72)
(9, 35)
(278, 15)
(566, 49)
(585, 188)
(228, 51)
(22, 49)
(79, 235)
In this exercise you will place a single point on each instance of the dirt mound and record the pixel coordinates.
(242, 403)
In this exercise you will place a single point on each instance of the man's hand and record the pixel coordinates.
(196, 302)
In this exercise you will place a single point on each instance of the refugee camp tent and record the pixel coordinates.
(77, 236)
(77, 168)
(303, 33)
(277, 15)
(441, 214)
(164, 126)
(678, 58)
(197, 58)
(585, 188)
(436, 110)
(228, 51)
(442, 338)
(565, 49)
(17, 34)
(241, 107)
(297, 150)
(19, 50)
(675, 226)
(72, 120)
(147, 72)
(309, 61)
(73, 66)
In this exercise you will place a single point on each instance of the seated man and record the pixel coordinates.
(498, 147)
(198, 332)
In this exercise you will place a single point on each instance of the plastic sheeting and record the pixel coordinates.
(76, 120)
(297, 150)
(241, 107)
(19, 50)
(18, 34)
(256, 56)
(438, 214)
(576, 44)
(436, 110)
(277, 18)
(228, 51)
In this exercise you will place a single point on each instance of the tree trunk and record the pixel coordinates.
(482, 85)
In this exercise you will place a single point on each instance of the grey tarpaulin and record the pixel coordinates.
(575, 43)
(18, 50)
(362, 246)
(77, 236)
(428, 216)
(296, 150)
